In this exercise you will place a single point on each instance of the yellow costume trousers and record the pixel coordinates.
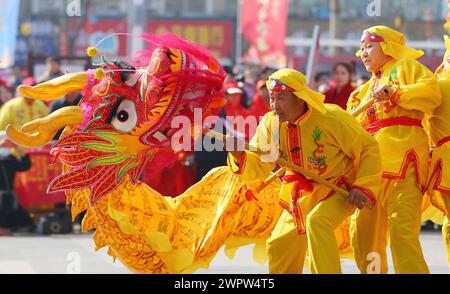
(287, 249)
(398, 211)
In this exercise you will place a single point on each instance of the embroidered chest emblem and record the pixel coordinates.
(317, 160)
(354, 100)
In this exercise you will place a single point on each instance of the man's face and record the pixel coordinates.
(286, 106)
(372, 55)
(234, 99)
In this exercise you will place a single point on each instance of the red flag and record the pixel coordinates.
(264, 26)
(31, 186)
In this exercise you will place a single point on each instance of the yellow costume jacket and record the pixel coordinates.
(397, 124)
(332, 145)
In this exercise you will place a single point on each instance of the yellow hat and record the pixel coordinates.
(290, 80)
(392, 43)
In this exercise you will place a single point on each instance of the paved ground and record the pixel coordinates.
(75, 254)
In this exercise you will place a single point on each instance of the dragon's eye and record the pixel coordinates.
(122, 116)
(126, 118)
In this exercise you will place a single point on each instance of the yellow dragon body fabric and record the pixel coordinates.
(150, 233)
(121, 122)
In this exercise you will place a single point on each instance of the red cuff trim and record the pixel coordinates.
(342, 182)
(367, 192)
(395, 96)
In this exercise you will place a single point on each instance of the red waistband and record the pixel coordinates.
(302, 182)
(443, 141)
(393, 121)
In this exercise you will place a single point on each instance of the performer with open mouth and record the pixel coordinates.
(329, 144)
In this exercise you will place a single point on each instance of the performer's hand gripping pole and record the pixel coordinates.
(366, 105)
(363, 107)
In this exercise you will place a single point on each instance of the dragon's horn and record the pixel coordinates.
(42, 130)
(56, 88)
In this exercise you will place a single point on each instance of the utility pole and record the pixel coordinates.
(137, 22)
(334, 9)
(238, 52)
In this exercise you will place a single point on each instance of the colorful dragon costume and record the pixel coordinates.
(122, 121)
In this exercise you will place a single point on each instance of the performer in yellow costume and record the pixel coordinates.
(21, 110)
(439, 131)
(323, 139)
(400, 92)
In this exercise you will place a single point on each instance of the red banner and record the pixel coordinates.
(31, 186)
(216, 35)
(264, 26)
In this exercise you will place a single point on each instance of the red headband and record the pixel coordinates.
(277, 86)
(371, 37)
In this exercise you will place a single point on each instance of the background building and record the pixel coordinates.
(213, 23)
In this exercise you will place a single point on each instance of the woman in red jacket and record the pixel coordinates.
(261, 104)
(341, 85)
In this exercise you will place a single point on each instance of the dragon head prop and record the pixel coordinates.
(125, 114)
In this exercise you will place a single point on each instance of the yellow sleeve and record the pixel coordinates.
(419, 87)
(5, 117)
(357, 144)
(253, 166)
